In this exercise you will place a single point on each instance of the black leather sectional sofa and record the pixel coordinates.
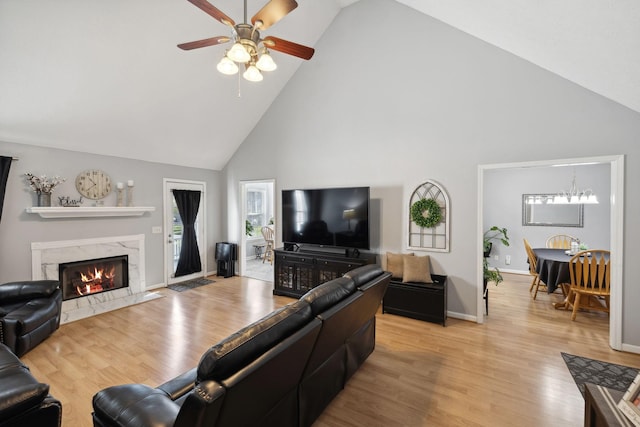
(282, 370)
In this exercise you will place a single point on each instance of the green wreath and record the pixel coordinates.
(426, 213)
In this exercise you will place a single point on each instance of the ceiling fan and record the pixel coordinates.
(248, 48)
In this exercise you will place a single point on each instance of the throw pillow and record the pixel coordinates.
(395, 264)
(417, 269)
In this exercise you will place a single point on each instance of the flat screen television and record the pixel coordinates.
(337, 217)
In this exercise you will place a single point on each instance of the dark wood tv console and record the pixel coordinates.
(298, 271)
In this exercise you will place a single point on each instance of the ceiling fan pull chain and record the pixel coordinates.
(239, 95)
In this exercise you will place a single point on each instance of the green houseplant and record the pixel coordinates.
(494, 233)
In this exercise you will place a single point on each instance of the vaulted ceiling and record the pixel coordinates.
(107, 78)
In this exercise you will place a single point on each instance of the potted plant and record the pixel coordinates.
(248, 228)
(43, 187)
(494, 233)
(490, 275)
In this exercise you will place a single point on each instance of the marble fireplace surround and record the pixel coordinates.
(45, 257)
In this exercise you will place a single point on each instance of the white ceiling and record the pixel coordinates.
(107, 78)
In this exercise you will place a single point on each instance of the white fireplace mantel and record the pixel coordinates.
(89, 211)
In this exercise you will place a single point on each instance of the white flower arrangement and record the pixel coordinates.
(42, 184)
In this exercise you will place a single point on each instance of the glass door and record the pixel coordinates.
(174, 229)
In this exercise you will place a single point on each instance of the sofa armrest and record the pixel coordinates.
(20, 392)
(180, 385)
(134, 405)
(25, 290)
(47, 414)
(202, 407)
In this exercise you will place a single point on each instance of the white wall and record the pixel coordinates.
(18, 228)
(503, 190)
(413, 99)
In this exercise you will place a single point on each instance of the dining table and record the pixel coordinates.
(553, 267)
(553, 270)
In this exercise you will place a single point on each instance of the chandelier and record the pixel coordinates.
(249, 50)
(575, 196)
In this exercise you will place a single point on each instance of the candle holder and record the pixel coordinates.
(130, 193)
(120, 197)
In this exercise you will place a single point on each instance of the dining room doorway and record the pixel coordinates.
(615, 225)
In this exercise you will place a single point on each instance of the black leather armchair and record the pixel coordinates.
(23, 400)
(29, 313)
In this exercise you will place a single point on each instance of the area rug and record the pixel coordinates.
(190, 284)
(610, 375)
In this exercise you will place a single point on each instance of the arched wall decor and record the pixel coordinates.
(434, 238)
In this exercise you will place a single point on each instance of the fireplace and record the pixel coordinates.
(46, 258)
(93, 276)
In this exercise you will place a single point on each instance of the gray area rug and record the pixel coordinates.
(610, 375)
(190, 284)
(257, 269)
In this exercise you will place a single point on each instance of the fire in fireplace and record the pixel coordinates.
(93, 276)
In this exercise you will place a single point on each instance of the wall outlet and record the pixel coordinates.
(507, 259)
(156, 230)
(496, 258)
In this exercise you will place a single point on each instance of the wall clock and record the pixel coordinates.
(93, 184)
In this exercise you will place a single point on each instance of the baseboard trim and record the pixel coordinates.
(462, 316)
(522, 272)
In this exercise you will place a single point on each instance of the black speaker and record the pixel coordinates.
(292, 247)
(226, 256)
(351, 252)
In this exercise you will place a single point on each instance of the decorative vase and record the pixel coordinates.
(44, 200)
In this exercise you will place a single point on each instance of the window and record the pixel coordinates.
(257, 209)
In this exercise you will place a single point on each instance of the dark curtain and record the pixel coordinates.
(5, 165)
(188, 203)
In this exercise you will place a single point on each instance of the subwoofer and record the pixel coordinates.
(226, 256)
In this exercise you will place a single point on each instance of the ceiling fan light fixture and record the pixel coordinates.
(248, 48)
(227, 66)
(266, 63)
(238, 53)
(253, 74)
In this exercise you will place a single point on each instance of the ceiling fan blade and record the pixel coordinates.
(288, 47)
(272, 12)
(204, 43)
(213, 11)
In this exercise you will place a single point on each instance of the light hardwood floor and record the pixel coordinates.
(506, 372)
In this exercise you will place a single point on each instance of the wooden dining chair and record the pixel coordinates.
(269, 237)
(560, 241)
(533, 262)
(590, 273)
